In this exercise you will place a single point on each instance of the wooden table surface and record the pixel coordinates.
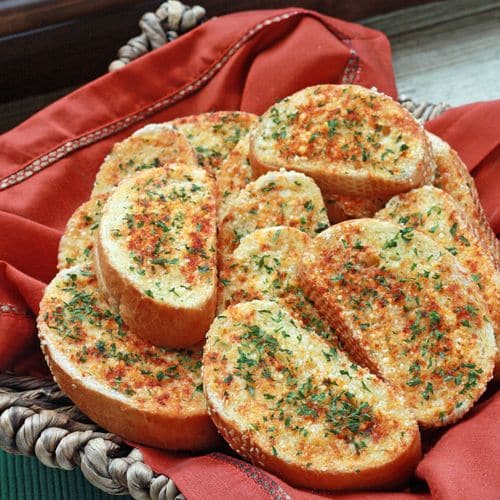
(442, 52)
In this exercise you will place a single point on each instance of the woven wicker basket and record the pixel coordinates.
(36, 417)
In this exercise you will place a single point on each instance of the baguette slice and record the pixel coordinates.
(234, 174)
(287, 402)
(140, 392)
(152, 146)
(350, 140)
(275, 199)
(214, 135)
(156, 255)
(264, 266)
(77, 241)
(341, 207)
(403, 307)
(437, 214)
(453, 177)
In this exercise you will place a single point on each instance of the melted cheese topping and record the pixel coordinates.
(342, 127)
(152, 146)
(161, 233)
(214, 135)
(288, 392)
(275, 199)
(77, 241)
(82, 328)
(264, 266)
(403, 306)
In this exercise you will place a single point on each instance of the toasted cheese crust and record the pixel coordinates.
(77, 241)
(453, 177)
(264, 266)
(156, 250)
(143, 393)
(152, 146)
(275, 199)
(351, 140)
(214, 135)
(288, 402)
(404, 307)
(434, 212)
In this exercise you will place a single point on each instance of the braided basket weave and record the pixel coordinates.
(36, 417)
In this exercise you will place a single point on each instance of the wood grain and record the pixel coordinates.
(445, 51)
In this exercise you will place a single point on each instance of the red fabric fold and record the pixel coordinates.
(243, 61)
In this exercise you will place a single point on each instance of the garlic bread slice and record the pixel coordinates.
(404, 307)
(351, 140)
(437, 214)
(129, 387)
(77, 241)
(152, 146)
(213, 135)
(264, 266)
(453, 177)
(286, 401)
(156, 255)
(234, 174)
(275, 199)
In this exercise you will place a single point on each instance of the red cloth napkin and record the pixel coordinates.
(243, 61)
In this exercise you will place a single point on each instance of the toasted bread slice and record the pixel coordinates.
(77, 241)
(214, 135)
(264, 266)
(275, 199)
(437, 214)
(234, 174)
(404, 307)
(287, 402)
(453, 176)
(156, 254)
(349, 139)
(152, 146)
(140, 392)
(341, 207)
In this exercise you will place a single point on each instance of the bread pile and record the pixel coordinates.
(202, 289)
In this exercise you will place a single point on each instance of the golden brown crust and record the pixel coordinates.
(404, 308)
(287, 403)
(351, 140)
(119, 381)
(453, 177)
(158, 266)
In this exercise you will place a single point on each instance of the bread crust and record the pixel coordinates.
(167, 323)
(243, 418)
(438, 348)
(293, 134)
(189, 428)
